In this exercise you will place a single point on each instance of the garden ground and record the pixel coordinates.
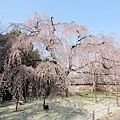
(78, 107)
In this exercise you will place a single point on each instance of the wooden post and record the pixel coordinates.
(25, 91)
(17, 99)
(93, 115)
(94, 83)
(45, 86)
(108, 109)
(116, 87)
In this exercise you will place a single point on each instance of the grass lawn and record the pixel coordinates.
(78, 107)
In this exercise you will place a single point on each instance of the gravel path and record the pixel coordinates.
(116, 117)
(113, 117)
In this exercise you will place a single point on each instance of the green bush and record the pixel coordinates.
(15, 32)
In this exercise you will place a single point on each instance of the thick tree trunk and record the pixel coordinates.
(70, 59)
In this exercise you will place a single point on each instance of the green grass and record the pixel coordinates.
(78, 107)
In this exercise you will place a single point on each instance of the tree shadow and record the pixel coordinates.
(35, 111)
(5, 103)
(65, 113)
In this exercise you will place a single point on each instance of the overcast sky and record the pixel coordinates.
(103, 16)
